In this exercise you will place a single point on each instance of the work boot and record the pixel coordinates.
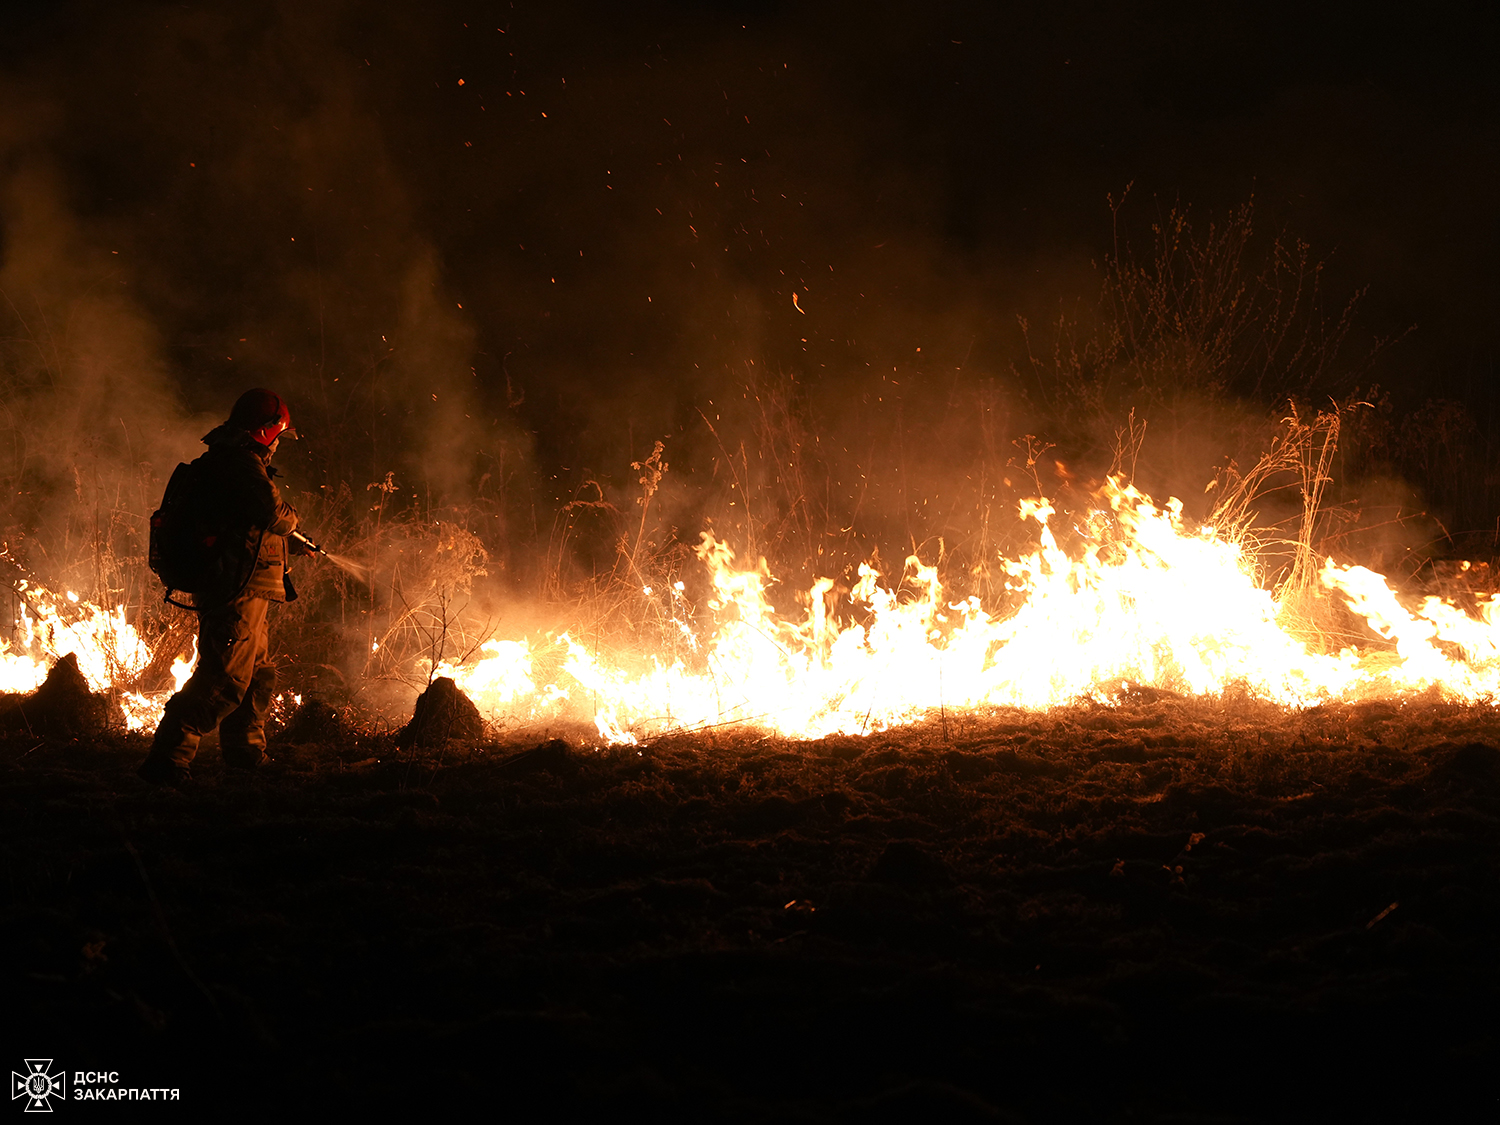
(157, 771)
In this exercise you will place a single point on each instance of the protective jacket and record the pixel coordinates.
(241, 501)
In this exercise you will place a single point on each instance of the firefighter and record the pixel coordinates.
(233, 681)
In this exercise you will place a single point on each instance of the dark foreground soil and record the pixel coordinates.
(1166, 911)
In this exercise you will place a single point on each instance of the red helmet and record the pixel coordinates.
(263, 415)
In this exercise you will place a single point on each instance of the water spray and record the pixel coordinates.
(347, 565)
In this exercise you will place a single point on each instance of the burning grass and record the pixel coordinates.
(762, 599)
(1087, 913)
(1118, 594)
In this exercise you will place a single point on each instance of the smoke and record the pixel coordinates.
(89, 406)
(491, 261)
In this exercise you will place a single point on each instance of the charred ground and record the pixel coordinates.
(1167, 910)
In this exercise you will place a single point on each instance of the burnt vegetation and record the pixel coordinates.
(1168, 909)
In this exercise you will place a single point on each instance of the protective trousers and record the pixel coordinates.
(231, 688)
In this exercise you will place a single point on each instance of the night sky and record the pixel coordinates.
(516, 243)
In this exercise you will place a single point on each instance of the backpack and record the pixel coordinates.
(183, 550)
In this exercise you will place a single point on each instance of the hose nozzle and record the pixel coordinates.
(306, 542)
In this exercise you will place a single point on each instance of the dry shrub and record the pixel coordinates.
(629, 596)
(1290, 552)
(1212, 314)
(1440, 447)
(422, 598)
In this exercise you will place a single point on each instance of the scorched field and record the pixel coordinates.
(1164, 909)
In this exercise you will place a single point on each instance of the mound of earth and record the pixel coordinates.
(63, 707)
(442, 712)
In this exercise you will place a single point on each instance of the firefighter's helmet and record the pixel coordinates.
(263, 415)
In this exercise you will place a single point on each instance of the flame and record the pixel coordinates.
(111, 653)
(1143, 601)
(1140, 599)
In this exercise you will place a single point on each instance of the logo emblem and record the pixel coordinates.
(39, 1085)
